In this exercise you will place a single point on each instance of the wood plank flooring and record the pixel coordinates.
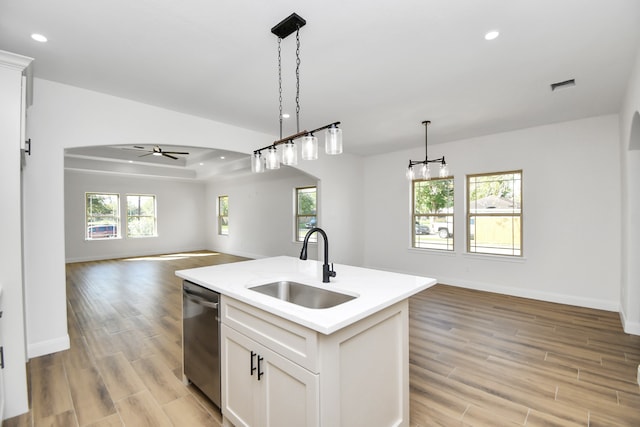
(476, 358)
(483, 359)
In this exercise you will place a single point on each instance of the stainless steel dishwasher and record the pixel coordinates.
(201, 337)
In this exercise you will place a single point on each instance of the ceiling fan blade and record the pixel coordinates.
(138, 147)
(164, 153)
(175, 152)
(144, 155)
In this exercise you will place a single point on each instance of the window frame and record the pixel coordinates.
(449, 217)
(223, 218)
(154, 216)
(298, 215)
(116, 217)
(469, 215)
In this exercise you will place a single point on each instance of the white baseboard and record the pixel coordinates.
(534, 294)
(241, 253)
(120, 255)
(47, 347)
(632, 328)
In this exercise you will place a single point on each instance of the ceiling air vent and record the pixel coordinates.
(562, 85)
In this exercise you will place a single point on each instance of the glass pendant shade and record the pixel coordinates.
(426, 172)
(333, 140)
(272, 160)
(410, 173)
(309, 147)
(289, 154)
(257, 163)
(444, 170)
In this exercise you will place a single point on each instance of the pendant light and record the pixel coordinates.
(308, 141)
(424, 171)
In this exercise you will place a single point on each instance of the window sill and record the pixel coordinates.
(500, 258)
(105, 239)
(431, 251)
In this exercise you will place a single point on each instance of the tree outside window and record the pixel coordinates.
(432, 219)
(494, 216)
(223, 215)
(141, 216)
(306, 216)
(102, 214)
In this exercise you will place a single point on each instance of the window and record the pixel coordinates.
(141, 216)
(432, 219)
(223, 215)
(102, 216)
(306, 209)
(494, 215)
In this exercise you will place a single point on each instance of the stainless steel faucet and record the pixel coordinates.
(326, 271)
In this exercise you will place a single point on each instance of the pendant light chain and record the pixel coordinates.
(280, 82)
(298, 80)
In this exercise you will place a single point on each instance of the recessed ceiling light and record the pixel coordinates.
(492, 35)
(39, 37)
(285, 116)
(222, 157)
(130, 161)
(201, 164)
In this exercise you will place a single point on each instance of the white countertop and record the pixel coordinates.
(375, 289)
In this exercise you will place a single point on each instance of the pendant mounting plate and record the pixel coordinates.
(288, 25)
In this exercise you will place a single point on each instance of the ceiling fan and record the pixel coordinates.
(157, 151)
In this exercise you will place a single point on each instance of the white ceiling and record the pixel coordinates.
(378, 67)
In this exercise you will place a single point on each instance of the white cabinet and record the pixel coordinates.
(262, 388)
(1, 364)
(12, 70)
(358, 375)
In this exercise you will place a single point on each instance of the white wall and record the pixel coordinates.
(341, 203)
(630, 161)
(63, 116)
(571, 205)
(261, 214)
(180, 216)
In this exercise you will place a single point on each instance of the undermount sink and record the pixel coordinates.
(304, 295)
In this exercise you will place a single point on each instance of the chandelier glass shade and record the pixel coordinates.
(257, 163)
(272, 161)
(333, 140)
(308, 141)
(289, 154)
(309, 147)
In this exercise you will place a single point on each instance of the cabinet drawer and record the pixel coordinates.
(295, 342)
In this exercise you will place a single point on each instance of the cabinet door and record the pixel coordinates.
(239, 384)
(290, 393)
(263, 388)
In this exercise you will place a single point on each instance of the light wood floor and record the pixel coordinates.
(476, 359)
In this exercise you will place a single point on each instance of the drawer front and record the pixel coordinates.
(293, 341)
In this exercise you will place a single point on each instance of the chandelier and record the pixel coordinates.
(284, 150)
(424, 171)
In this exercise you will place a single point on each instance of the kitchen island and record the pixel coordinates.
(284, 364)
